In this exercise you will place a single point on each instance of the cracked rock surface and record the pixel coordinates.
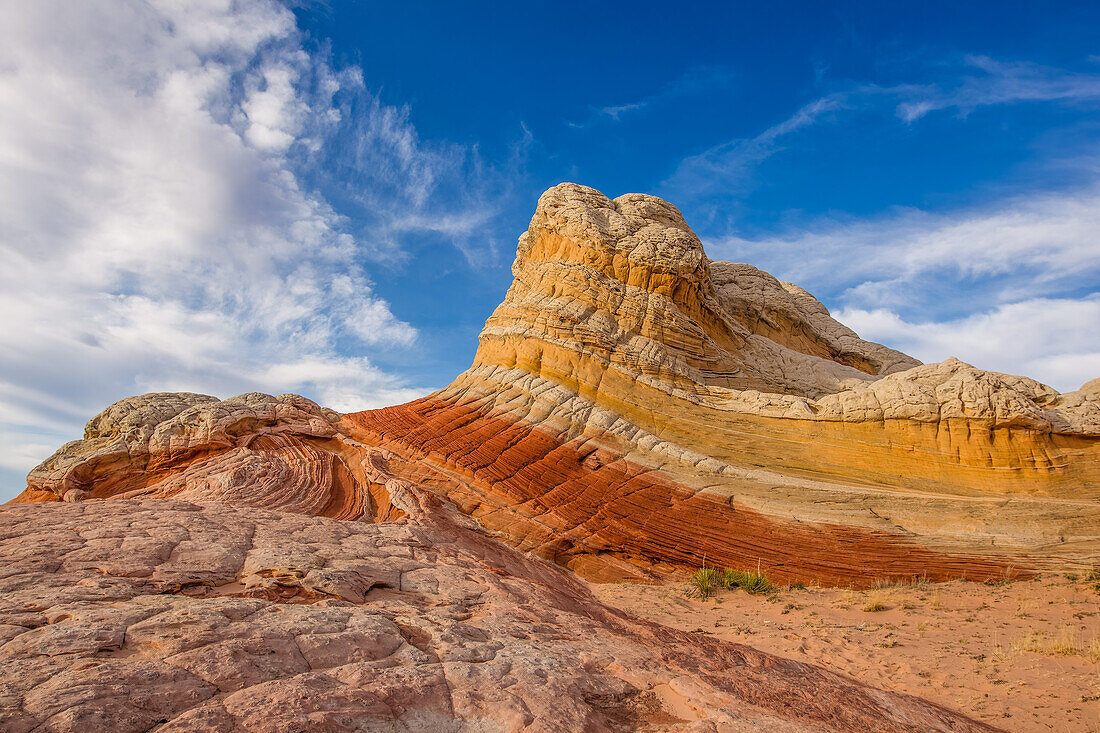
(131, 615)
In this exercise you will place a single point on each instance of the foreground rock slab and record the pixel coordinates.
(134, 615)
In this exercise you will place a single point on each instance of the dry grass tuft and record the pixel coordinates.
(900, 581)
(1093, 577)
(874, 606)
(1093, 650)
(1065, 644)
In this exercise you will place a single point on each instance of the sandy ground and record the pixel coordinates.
(1023, 656)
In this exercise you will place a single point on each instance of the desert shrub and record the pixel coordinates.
(874, 606)
(750, 581)
(728, 578)
(1093, 577)
(704, 583)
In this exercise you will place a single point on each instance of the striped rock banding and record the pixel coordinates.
(635, 408)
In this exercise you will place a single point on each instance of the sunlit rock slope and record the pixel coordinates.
(635, 408)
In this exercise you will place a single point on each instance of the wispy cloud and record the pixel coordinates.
(1047, 238)
(699, 80)
(725, 167)
(997, 83)
(728, 168)
(902, 276)
(165, 220)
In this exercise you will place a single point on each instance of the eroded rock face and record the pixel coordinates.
(663, 408)
(250, 450)
(175, 616)
(623, 286)
(635, 408)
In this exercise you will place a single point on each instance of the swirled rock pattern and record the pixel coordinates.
(173, 616)
(634, 404)
(250, 450)
(634, 409)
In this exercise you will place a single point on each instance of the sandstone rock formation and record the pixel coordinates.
(634, 407)
(633, 404)
(634, 410)
(251, 450)
(174, 616)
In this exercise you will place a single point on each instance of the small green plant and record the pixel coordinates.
(704, 583)
(753, 582)
(729, 578)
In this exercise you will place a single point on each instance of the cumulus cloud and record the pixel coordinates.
(1054, 338)
(163, 224)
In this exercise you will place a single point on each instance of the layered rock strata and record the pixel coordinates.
(635, 408)
(251, 450)
(633, 404)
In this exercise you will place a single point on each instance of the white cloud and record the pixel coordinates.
(996, 83)
(1042, 242)
(155, 227)
(1010, 286)
(1053, 340)
(726, 168)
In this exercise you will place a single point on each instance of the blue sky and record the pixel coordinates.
(324, 198)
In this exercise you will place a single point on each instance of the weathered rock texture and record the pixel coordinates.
(175, 616)
(634, 407)
(251, 450)
(634, 404)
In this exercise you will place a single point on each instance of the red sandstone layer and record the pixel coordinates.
(578, 504)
